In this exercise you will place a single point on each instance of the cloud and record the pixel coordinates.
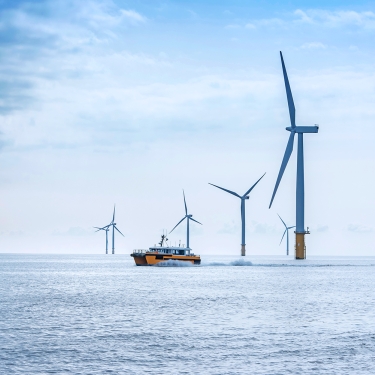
(15, 233)
(58, 42)
(15, 93)
(337, 18)
(357, 228)
(313, 45)
(270, 22)
(133, 16)
(3, 142)
(229, 228)
(303, 16)
(318, 17)
(262, 228)
(250, 26)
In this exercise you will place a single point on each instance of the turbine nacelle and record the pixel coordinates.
(303, 129)
(246, 197)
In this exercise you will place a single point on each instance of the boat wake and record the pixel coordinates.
(174, 263)
(245, 263)
(236, 263)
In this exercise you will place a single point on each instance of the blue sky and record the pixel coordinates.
(128, 102)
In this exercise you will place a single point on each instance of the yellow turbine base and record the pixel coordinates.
(300, 246)
(243, 250)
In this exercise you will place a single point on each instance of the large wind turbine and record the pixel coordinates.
(287, 234)
(300, 189)
(188, 217)
(243, 198)
(106, 236)
(113, 224)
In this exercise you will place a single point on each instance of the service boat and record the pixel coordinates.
(157, 254)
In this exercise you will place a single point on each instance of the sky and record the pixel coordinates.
(129, 102)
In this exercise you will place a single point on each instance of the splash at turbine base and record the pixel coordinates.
(243, 250)
(300, 246)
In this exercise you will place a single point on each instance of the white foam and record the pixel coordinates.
(174, 263)
(241, 263)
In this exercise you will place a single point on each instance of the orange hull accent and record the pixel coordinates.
(150, 259)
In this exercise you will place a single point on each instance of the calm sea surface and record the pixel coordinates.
(82, 314)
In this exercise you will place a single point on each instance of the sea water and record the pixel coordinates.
(82, 314)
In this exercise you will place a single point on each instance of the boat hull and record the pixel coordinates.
(150, 259)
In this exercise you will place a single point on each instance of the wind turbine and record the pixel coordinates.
(188, 217)
(287, 234)
(106, 236)
(243, 198)
(113, 224)
(300, 189)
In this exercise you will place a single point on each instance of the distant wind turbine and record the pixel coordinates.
(106, 236)
(113, 225)
(243, 198)
(188, 217)
(287, 234)
(300, 189)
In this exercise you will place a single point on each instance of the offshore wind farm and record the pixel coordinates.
(106, 228)
(109, 110)
(300, 232)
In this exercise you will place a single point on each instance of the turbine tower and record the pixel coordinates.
(243, 198)
(300, 189)
(106, 236)
(113, 224)
(287, 234)
(188, 217)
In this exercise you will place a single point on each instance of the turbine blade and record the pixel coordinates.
(195, 221)
(291, 227)
(252, 187)
(288, 152)
(292, 110)
(228, 191)
(184, 202)
(282, 221)
(114, 209)
(118, 230)
(102, 228)
(283, 236)
(178, 224)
